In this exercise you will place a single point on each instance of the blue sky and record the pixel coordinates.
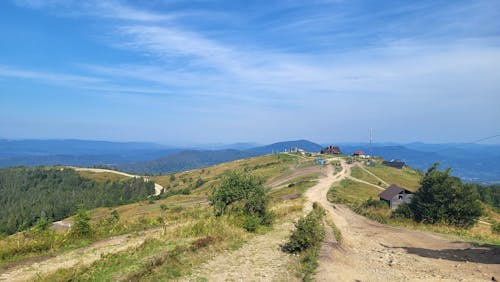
(228, 71)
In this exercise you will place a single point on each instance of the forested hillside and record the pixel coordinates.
(26, 194)
(490, 194)
(185, 160)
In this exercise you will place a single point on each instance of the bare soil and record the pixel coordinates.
(369, 251)
(261, 259)
(294, 173)
(375, 252)
(30, 269)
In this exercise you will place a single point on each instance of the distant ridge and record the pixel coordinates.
(471, 162)
(307, 145)
(184, 160)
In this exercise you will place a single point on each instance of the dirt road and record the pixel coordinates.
(293, 173)
(158, 187)
(82, 256)
(260, 259)
(375, 252)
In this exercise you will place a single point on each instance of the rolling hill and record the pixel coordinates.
(307, 145)
(471, 162)
(184, 160)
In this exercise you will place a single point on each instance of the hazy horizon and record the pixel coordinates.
(194, 144)
(173, 72)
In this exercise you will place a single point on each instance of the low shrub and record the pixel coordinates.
(375, 203)
(402, 211)
(250, 223)
(495, 228)
(201, 243)
(309, 231)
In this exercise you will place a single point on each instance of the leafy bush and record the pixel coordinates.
(81, 228)
(251, 223)
(243, 194)
(403, 211)
(373, 214)
(444, 198)
(495, 228)
(375, 203)
(309, 231)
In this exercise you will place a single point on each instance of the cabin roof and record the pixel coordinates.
(391, 192)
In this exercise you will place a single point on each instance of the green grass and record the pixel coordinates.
(198, 237)
(406, 177)
(354, 194)
(102, 176)
(361, 174)
(291, 191)
(336, 231)
(351, 192)
(190, 213)
(479, 234)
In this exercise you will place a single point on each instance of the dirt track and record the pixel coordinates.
(82, 256)
(369, 252)
(374, 252)
(158, 187)
(293, 173)
(258, 260)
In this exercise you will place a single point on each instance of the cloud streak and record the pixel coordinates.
(295, 60)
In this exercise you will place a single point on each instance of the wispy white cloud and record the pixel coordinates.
(50, 77)
(398, 65)
(111, 9)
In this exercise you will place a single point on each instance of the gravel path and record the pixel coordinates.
(375, 252)
(258, 260)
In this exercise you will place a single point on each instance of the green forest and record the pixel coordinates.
(489, 194)
(26, 194)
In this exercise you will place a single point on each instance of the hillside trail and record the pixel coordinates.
(64, 226)
(82, 256)
(158, 187)
(365, 182)
(374, 175)
(260, 259)
(371, 251)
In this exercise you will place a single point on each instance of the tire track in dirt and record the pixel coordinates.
(375, 252)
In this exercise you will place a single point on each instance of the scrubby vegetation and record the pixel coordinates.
(306, 239)
(357, 197)
(444, 198)
(495, 228)
(54, 193)
(489, 194)
(243, 194)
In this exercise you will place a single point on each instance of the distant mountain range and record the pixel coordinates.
(184, 160)
(471, 162)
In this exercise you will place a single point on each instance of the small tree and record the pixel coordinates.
(81, 227)
(444, 198)
(41, 224)
(242, 193)
(114, 217)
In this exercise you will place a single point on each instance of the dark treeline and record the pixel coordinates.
(26, 194)
(490, 194)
